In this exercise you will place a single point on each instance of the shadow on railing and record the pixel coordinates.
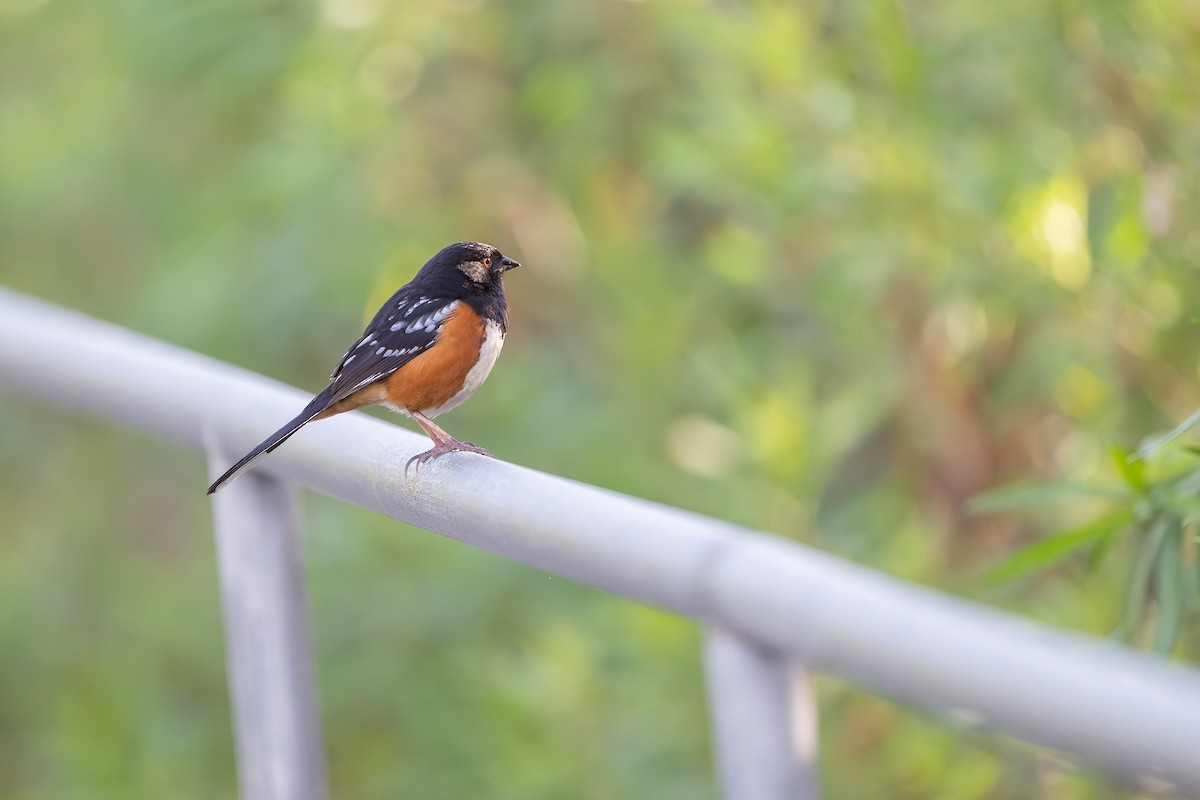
(773, 607)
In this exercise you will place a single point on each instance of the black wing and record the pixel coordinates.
(406, 326)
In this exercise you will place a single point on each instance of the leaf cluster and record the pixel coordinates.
(1154, 508)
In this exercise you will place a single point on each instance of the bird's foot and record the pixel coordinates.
(440, 448)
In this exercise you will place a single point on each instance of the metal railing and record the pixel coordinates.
(772, 607)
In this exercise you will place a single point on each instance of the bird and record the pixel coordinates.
(428, 348)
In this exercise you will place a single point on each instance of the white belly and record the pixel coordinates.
(493, 340)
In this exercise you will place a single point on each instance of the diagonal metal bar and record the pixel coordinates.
(268, 640)
(764, 721)
(1130, 713)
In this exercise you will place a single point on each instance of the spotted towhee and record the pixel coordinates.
(427, 350)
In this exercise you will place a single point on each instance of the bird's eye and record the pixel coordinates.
(487, 262)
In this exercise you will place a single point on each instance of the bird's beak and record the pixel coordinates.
(507, 263)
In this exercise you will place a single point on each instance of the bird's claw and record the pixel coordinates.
(440, 449)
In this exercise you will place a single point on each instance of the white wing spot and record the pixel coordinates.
(425, 322)
(365, 381)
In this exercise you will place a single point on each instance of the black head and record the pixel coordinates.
(471, 267)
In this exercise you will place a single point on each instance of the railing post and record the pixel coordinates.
(268, 639)
(764, 718)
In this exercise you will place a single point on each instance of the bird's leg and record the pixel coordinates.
(442, 443)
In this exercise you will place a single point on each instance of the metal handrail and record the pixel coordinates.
(1131, 714)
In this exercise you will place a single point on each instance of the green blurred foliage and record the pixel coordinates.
(1156, 508)
(826, 269)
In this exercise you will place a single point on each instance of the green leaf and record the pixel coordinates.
(1132, 469)
(1100, 550)
(1139, 579)
(1191, 572)
(1154, 445)
(1169, 590)
(1008, 498)
(1058, 546)
(1187, 484)
(1189, 509)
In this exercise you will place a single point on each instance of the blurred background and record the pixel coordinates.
(824, 269)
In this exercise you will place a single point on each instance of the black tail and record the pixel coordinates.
(318, 404)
